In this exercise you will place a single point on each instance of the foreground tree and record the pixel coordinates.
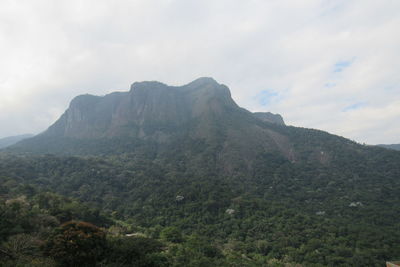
(77, 243)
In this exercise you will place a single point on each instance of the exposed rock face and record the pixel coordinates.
(148, 107)
(269, 117)
(200, 114)
(197, 124)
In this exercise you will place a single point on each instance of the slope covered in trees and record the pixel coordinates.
(208, 183)
(297, 212)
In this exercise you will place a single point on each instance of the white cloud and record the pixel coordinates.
(54, 50)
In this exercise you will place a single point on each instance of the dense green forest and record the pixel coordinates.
(283, 213)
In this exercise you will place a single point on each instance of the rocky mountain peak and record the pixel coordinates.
(147, 85)
(204, 81)
(147, 103)
(269, 117)
(200, 111)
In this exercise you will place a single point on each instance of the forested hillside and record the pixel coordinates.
(216, 186)
(297, 212)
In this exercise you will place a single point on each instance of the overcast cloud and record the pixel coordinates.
(332, 65)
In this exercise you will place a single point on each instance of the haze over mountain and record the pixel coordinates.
(8, 141)
(391, 146)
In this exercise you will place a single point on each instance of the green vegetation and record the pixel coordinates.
(187, 212)
(77, 243)
(182, 176)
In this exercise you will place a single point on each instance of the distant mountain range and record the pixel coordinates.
(392, 146)
(11, 140)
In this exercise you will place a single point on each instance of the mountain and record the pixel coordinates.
(199, 123)
(11, 140)
(157, 112)
(392, 146)
(146, 111)
(198, 118)
(166, 118)
(269, 117)
(188, 160)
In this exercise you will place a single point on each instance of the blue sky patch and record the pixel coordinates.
(341, 65)
(354, 106)
(265, 97)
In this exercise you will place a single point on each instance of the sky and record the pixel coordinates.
(332, 65)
